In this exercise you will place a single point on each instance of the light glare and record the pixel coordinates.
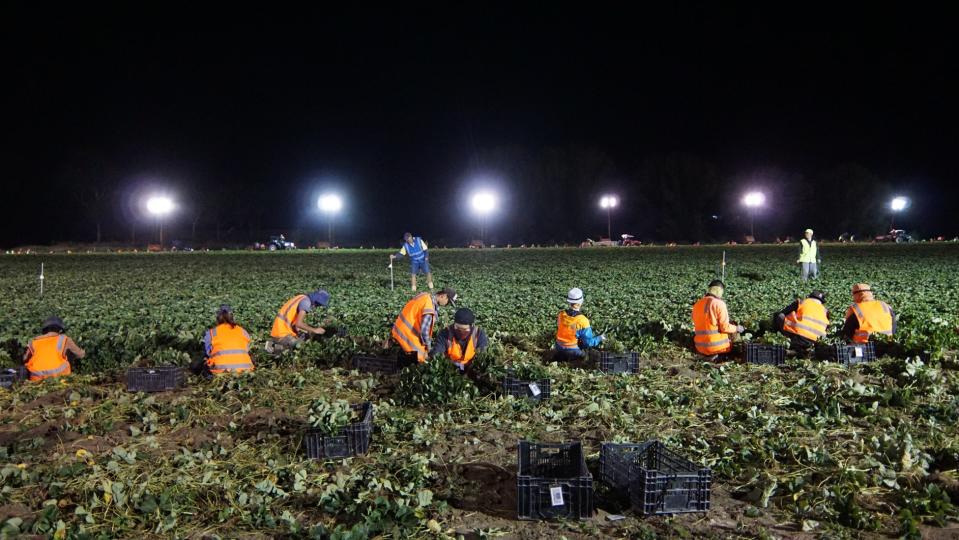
(330, 203)
(159, 205)
(608, 201)
(899, 204)
(754, 199)
(484, 202)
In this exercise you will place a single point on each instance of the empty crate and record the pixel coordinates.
(535, 390)
(553, 482)
(618, 363)
(655, 479)
(383, 364)
(760, 353)
(11, 376)
(154, 379)
(849, 355)
(352, 440)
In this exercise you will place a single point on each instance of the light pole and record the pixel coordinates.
(330, 204)
(609, 202)
(897, 204)
(160, 206)
(484, 203)
(753, 200)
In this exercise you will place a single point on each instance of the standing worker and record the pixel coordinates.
(227, 345)
(867, 316)
(804, 322)
(573, 330)
(413, 329)
(809, 256)
(49, 354)
(289, 326)
(714, 332)
(417, 250)
(462, 340)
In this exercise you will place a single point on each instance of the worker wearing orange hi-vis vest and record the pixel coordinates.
(49, 354)
(290, 327)
(573, 330)
(227, 345)
(462, 340)
(413, 329)
(867, 316)
(714, 333)
(804, 322)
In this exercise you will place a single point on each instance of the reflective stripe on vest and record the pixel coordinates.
(809, 320)
(48, 358)
(229, 349)
(707, 338)
(406, 329)
(456, 353)
(283, 323)
(416, 252)
(875, 317)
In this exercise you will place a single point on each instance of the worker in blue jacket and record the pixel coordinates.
(416, 249)
(573, 331)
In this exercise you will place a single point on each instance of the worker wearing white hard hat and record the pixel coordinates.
(808, 256)
(573, 331)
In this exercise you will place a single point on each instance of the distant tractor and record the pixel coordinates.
(279, 243)
(898, 236)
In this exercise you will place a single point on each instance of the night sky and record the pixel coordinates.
(245, 116)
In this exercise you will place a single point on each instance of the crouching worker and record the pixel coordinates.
(51, 353)
(573, 332)
(804, 322)
(413, 329)
(714, 332)
(289, 326)
(227, 346)
(461, 341)
(867, 316)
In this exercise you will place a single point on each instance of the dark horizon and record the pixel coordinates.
(678, 110)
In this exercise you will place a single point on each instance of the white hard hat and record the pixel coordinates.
(808, 231)
(575, 296)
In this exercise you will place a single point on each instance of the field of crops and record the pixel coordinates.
(807, 450)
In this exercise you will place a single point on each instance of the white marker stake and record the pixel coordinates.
(534, 388)
(391, 274)
(724, 266)
(556, 494)
(41, 279)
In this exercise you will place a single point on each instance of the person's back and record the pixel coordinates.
(874, 316)
(48, 355)
(713, 330)
(284, 321)
(229, 349)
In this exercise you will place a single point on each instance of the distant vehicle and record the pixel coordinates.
(895, 235)
(180, 245)
(477, 244)
(630, 240)
(847, 237)
(279, 243)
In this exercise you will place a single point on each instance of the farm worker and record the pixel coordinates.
(808, 256)
(417, 250)
(462, 340)
(227, 345)
(50, 354)
(804, 321)
(867, 316)
(714, 332)
(573, 330)
(413, 329)
(289, 326)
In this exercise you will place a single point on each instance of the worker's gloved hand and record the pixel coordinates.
(740, 329)
(602, 337)
(798, 261)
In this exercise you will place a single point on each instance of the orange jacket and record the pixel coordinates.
(47, 357)
(283, 323)
(407, 330)
(874, 316)
(810, 320)
(229, 349)
(711, 321)
(456, 353)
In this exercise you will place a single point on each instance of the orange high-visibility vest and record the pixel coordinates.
(566, 328)
(406, 329)
(809, 320)
(708, 339)
(283, 323)
(456, 353)
(48, 357)
(874, 316)
(229, 349)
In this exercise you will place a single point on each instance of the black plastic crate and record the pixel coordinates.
(552, 482)
(383, 364)
(761, 353)
(656, 479)
(618, 363)
(154, 379)
(11, 376)
(850, 355)
(352, 440)
(535, 390)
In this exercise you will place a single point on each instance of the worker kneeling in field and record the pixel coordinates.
(289, 326)
(714, 333)
(50, 354)
(227, 345)
(413, 329)
(804, 322)
(573, 332)
(867, 316)
(462, 340)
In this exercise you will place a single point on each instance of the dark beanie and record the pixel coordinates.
(464, 316)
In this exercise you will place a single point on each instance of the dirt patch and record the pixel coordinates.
(94, 444)
(949, 532)
(484, 487)
(58, 397)
(8, 511)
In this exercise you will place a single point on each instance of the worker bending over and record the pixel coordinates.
(290, 327)
(417, 250)
(808, 256)
(804, 322)
(573, 332)
(51, 353)
(867, 316)
(413, 329)
(714, 333)
(227, 345)
(460, 341)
